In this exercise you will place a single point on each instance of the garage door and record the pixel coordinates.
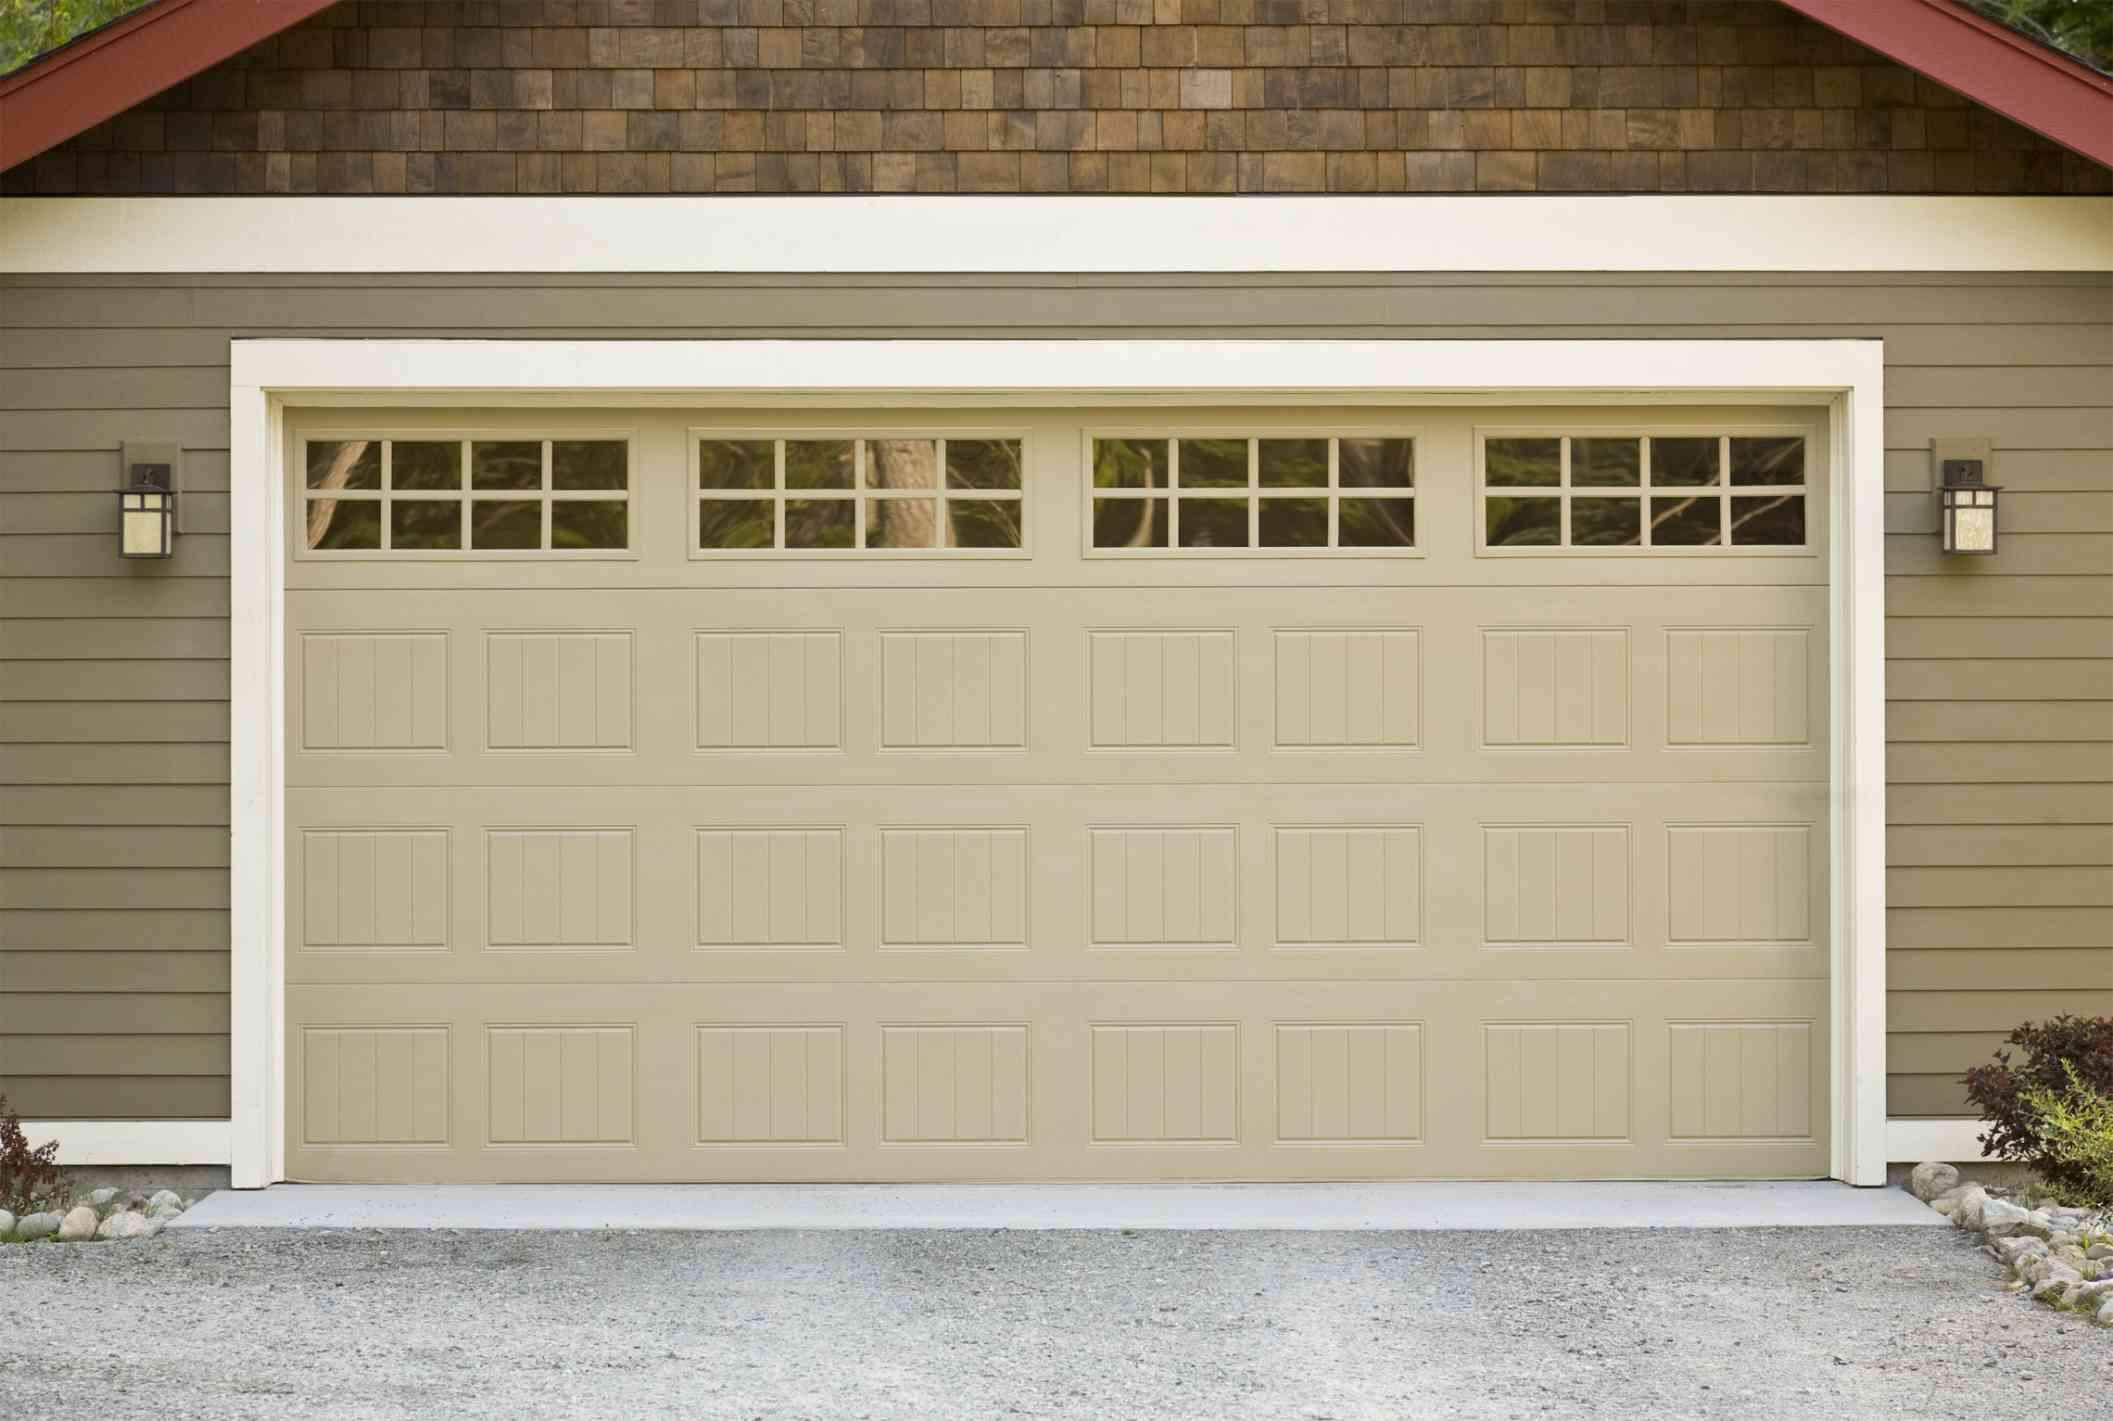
(1036, 794)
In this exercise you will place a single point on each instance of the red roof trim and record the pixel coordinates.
(1997, 68)
(105, 72)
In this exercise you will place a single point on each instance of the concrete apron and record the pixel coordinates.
(1796, 1204)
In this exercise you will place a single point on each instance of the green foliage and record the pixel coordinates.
(2064, 1056)
(2083, 28)
(29, 1178)
(2076, 1128)
(30, 27)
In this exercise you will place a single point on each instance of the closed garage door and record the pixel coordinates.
(1032, 794)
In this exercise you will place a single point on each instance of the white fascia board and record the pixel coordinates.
(107, 1142)
(1913, 1141)
(939, 234)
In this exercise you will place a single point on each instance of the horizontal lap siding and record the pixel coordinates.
(113, 677)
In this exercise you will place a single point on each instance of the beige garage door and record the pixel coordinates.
(1033, 794)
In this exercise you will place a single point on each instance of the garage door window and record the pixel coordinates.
(817, 494)
(450, 497)
(1660, 492)
(1275, 495)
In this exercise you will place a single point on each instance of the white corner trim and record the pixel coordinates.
(1846, 376)
(1913, 1141)
(134, 1141)
(1004, 234)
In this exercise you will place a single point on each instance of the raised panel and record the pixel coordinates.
(374, 889)
(1552, 687)
(1745, 1080)
(1553, 885)
(1737, 686)
(954, 888)
(953, 690)
(1165, 1084)
(374, 1085)
(779, 1085)
(1162, 689)
(1164, 887)
(1349, 1082)
(770, 888)
(559, 887)
(1556, 1080)
(1348, 689)
(558, 690)
(1732, 883)
(374, 691)
(769, 690)
(568, 1085)
(1349, 887)
(954, 1084)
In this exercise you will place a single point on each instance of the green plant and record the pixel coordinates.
(2076, 1128)
(29, 1178)
(2083, 28)
(2067, 1054)
(28, 28)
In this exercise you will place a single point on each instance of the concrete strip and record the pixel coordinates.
(1061, 1206)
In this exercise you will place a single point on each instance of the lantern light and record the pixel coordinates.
(146, 511)
(1969, 508)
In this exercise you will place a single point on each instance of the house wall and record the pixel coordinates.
(114, 678)
(643, 96)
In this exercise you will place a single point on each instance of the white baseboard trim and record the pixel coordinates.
(1913, 1141)
(135, 1141)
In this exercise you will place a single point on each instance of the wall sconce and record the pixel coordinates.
(1969, 508)
(146, 502)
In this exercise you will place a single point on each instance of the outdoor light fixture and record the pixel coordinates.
(1969, 507)
(146, 501)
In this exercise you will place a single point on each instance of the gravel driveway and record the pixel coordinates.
(1843, 1322)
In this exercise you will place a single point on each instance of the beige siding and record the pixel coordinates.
(113, 677)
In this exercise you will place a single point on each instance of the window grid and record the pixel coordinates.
(1254, 491)
(465, 496)
(862, 491)
(1645, 492)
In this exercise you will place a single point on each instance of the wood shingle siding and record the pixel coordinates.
(113, 723)
(1220, 96)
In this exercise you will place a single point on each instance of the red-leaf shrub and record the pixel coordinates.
(1998, 1089)
(29, 1178)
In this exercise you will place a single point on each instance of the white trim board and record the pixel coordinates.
(1003, 234)
(1844, 376)
(1913, 1141)
(134, 1141)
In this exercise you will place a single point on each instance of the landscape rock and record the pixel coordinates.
(80, 1224)
(2099, 1250)
(2049, 1290)
(1931, 1178)
(2015, 1250)
(2105, 1315)
(165, 1197)
(1967, 1212)
(123, 1224)
(2002, 1219)
(101, 1198)
(31, 1227)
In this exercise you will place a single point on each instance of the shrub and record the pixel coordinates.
(29, 1178)
(2076, 1128)
(2067, 1060)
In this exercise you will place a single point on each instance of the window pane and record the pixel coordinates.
(1129, 523)
(496, 524)
(336, 524)
(735, 523)
(1293, 522)
(587, 463)
(1377, 523)
(425, 523)
(1684, 522)
(513, 464)
(1214, 463)
(1606, 522)
(425, 464)
(983, 522)
(1129, 463)
(983, 463)
(1524, 522)
(735, 463)
(1768, 461)
(1769, 521)
(902, 463)
(901, 522)
(1376, 463)
(1293, 463)
(1602, 463)
(1213, 523)
(355, 463)
(590, 523)
(1683, 463)
(818, 463)
(1509, 463)
(820, 523)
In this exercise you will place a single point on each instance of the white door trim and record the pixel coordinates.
(101, 1142)
(1847, 376)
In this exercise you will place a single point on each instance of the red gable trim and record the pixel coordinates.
(1995, 67)
(100, 75)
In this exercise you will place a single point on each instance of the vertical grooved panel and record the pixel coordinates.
(965, 1084)
(1749, 1080)
(374, 889)
(1556, 1081)
(375, 1085)
(769, 690)
(1555, 884)
(568, 1085)
(770, 1085)
(1737, 686)
(770, 887)
(1164, 887)
(1739, 883)
(373, 691)
(558, 690)
(953, 690)
(559, 887)
(1349, 886)
(1165, 1083)
(1554, 687)
(1161, 688)
(1348, 689)
(1349, 1082)
(954, 887)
